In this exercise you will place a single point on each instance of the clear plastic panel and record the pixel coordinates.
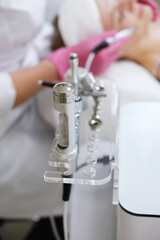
(97, 148)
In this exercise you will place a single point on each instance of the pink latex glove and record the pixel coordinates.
(102, 60)
(154, 7)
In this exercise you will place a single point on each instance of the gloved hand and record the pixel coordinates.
(103, 59)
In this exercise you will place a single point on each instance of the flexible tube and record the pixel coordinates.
(65, 221)
(54, 228)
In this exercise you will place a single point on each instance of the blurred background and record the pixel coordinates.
(30, 229)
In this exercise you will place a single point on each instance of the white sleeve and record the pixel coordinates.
(7, 94)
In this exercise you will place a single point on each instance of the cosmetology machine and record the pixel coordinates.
(133, 157)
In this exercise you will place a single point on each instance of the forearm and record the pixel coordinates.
(26, 81)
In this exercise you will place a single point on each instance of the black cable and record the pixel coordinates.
(46, 84)
(65, 198)
(104, 160)
(66, 189)
(100, 47)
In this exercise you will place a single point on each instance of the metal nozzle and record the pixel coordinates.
(74, 69)
(122, 34)
(125, 33)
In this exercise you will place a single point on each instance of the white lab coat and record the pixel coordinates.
(25, 139)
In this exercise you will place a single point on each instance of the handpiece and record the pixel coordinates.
(123, 33)
(109, 40)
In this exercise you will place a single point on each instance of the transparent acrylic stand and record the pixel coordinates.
(96, 158)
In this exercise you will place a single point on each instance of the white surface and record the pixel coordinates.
(139, 157)
(131, 227)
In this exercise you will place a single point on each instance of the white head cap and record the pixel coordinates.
(78, 20)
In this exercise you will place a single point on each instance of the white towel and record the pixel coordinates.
(78, 20)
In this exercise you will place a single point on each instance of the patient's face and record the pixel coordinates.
(119, 14)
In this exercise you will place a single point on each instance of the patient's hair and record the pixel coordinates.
(57, 40)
